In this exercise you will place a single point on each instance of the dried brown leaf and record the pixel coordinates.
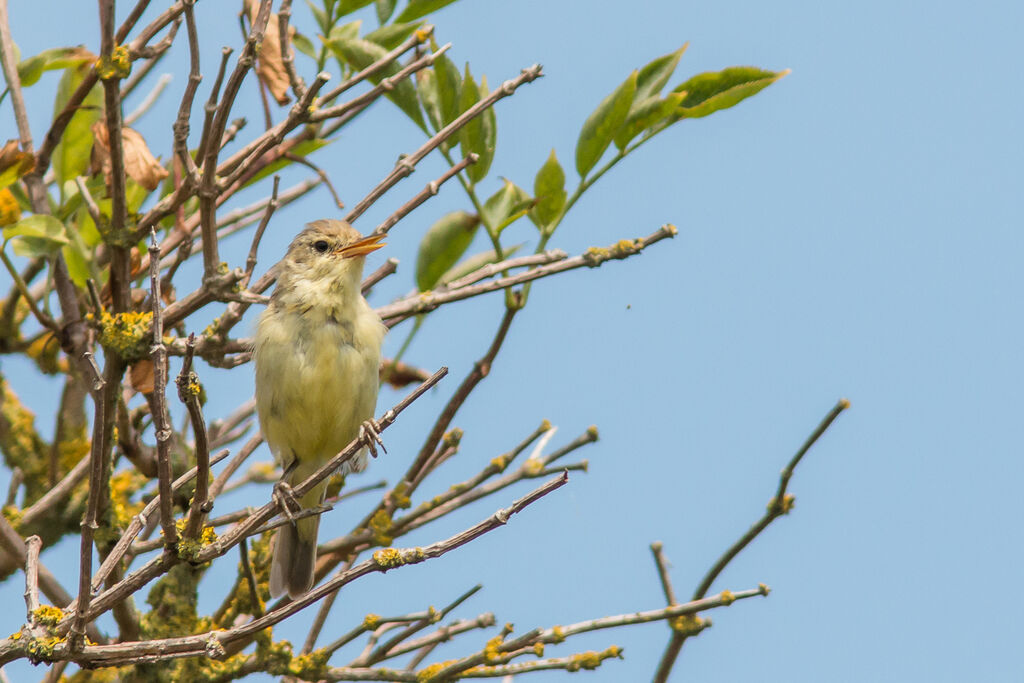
(141, 376)
(401, 374)
(139, 163)
(269, 62)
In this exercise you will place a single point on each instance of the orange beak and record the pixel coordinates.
(362, 247)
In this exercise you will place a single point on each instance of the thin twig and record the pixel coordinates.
(33, 545)
(157, 566)
(426, 193)
(387, 268)
(149, 101)
(408, 164)
(778, 506)
(250, 261)
(161, 421)
(412, 305)
(383, 560)
(188, 391)
(139, 522)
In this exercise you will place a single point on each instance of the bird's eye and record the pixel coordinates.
(321, 246)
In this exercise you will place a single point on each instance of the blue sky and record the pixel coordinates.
(851, 231)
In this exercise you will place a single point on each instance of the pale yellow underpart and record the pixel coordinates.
(317, 357)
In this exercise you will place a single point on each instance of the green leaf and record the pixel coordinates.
(78, 266)
(392, 35)
(421, 8)
(31, 69)
(442, 246)
(648, 113)
(479, 135)
(449, 88)
(340, 34)
(360, 54)
(713, 91)
(601, 126)
(426, 88)
(384, 8)
(349, 6)
(475, 263)
(320, 16)
(653, 77)
(71, 156)
(549, 189)
(304, 45)
(36, 235)
(506, 206)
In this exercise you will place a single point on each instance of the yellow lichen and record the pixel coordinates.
(492, 650)
(557, 635)
(765, 590)
(189, 549)
(452, 438)
(687, 624)
(532, 467)
(41, 649)
(429, 673)
(400, 496)
(595, 256)
(388, 558)
(726, 597)
(117, 65)
(123, 486)
(538, 649)
(592, 659)
(48, 615)
(12, 514)
(499, 463)
(371, 621)
(380, 525)
(45, 352)
(592, 432)
(126, 333)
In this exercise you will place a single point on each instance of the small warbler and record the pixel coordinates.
(317, 352)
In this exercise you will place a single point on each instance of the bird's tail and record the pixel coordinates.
(294, 560)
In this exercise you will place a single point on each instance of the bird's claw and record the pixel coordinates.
(369, 429)
(284, 496)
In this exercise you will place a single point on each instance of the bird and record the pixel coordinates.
(316, 351)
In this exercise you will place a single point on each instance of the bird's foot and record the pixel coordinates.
(369, 429)
(284, 496)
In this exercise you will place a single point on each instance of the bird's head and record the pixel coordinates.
(327, 257)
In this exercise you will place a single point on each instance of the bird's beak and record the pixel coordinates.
(362, 247)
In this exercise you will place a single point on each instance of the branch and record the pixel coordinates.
(407, 164)
(432, 188)
(161, 421)
(188, 391)
(778, 506)
(415, 304)
(10, 69)
(212, 642)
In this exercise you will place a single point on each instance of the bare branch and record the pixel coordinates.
(778, 506)
(149, 101)
(407, 164)
(188, 391)
(387, 268)
(161, 421)
(412, 305)
(33, 544)
(432, 188)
